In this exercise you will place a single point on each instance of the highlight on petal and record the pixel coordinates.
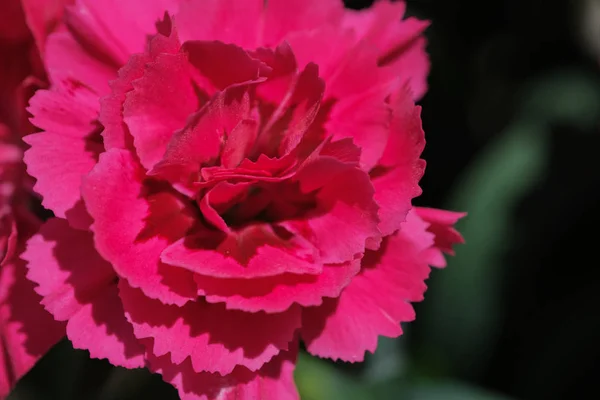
(79, 287)
(376, 301)
(214, 338)
(148, 221)
(274, 381)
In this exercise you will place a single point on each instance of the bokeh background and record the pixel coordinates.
(512, 124)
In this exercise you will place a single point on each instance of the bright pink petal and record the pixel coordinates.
(78, 286)
(27, 331)
(200, 141)
(159, 105)
(345, 216)
(396, 180)
(115, 132)
(399, 43)
(274, 381)
(66, 59)
(223, 64)
(42, 18)
(412, 68)
(365, 119)
(229, 21)
(256, 251)
(286, 16)
(67, 149)
(132, 227)
(117, 29)
(277, 293)
(215, 339)
(441, 224)
(375, 302)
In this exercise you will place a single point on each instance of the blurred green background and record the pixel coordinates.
(511, 120)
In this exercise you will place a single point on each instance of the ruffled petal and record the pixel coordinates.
(78, 286)
(67, 149)
(215, 339)
(277, 293)
(441, 224)
(27, 331)
(132, 226)
(117, 29)
(274, 381)
(376, 301)
(396, 179)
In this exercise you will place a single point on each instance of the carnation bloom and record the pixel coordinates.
(27, 331)
(229, 178)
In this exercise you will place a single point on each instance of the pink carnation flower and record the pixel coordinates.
(228, 178)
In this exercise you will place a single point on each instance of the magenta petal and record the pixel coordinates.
(108, 26)
(131, 230)
(376, 300)
(223, 64)
(441, 224)
(274, 381)
(365, 119)
(276, 294)
(67, 59)
(286, 16)
(27, 331)
(200, 141)
(159, 105)
(252, 252)
(209, 334)
(396, 180)
(78, 286)
(67, 150)
(346, 215)
(216, 19)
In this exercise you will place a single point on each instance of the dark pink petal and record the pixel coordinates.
(277, 293)
(345, 215)
(274, 381)
(27, 331)
(67, 59)
(229, 21)
(67, 149)
(285, 16)
(42, 17)
(78, 286)
(441, 224)
(200, 141)
(132, 227)
(376, 300)
(221, 65)
(256, 251)
(399, 43)
(412, 68)
(304, 98)
(108, 26)
(215, 339)
(396, 180)
(364, 118)
(349, 67)
(115, 133)
(159, 105)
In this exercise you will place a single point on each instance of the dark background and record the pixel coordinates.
(511, 120)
